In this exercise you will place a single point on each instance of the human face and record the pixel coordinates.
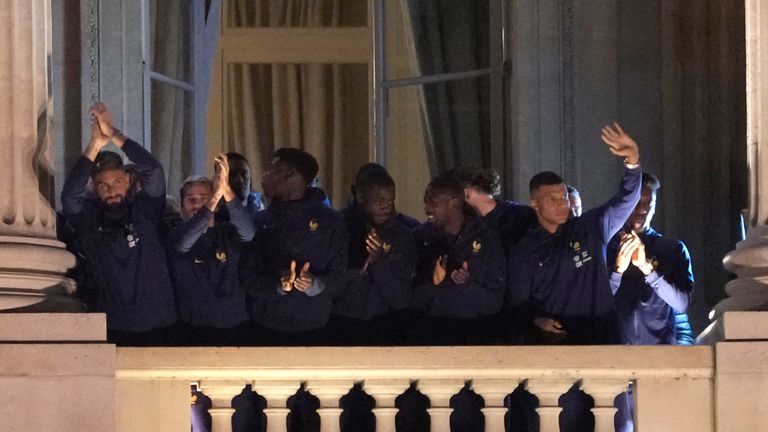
(112, 186)
(196, 196)
(575, 204)
(379, 204)
(640, 219)
(273, 179)
(240, 178)
(440, 207)
(552, 205)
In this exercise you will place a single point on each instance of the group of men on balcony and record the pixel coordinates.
(479, 270)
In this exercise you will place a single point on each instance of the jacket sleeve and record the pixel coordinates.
(674, 281)
(334, 277)
(612, 215)
(520, 304)
(150, 169)
(393, 275)
(186, 235)
(255, 275)
(483, 293)
(241, 220)
(73, 193)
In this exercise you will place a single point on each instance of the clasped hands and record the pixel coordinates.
(459, 276)
(632, 251)
(300, 282)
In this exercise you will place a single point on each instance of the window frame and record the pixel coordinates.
(496, 72)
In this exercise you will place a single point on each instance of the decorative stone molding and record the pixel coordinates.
(92, 38)
(33, 261)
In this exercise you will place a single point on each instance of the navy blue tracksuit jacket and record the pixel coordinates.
(122, 247)
(305, 231)
(511, 221)
(564, 275)
(477, 244)
(386, 284)
(204, 267)
(646, 305)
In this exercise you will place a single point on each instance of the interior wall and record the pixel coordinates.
(672, 73)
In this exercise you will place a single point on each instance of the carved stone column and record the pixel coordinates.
(604, 391)
(440, 392)
(385, 392)
(548, 391)
(494, 392)
(749, 261)
(329, 392)
(221, 394)
(33, 261)
(276, 393)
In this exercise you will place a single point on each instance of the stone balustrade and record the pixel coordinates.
(153, 383)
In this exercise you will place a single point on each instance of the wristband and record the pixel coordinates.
(647, 266)
(115, 132)
(631, 166)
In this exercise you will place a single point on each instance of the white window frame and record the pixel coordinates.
(496, 72)
(196, 86)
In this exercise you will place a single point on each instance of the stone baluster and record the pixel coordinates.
(329, 392)
(385, 392)
(440, 392)
(276, 394)
(221, 394)
(494, 392)
(548, 391)
(34, 262)
(604, 391)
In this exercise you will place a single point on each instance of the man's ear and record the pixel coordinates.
(467, 193)
(534, 201)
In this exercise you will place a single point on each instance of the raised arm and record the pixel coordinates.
(75, 188)
(239, 216)
(673, 280)
(612, 215)
(186, 235)
(152, 175)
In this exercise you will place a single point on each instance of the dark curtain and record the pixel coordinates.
(453, 36)
(704, 148)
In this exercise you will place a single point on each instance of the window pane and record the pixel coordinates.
(170, 33)
(321, 108)
(428, 37)
(172, 143)
(433, 128)
(297, 13)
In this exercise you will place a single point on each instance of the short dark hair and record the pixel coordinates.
(447, 184)
(299, 160)
(544, 178)
(368, 170)
(236, 157)
(485, 180)
(572, 190)
(651, 182)
(107, 160)
(374, 179)
(193, 180)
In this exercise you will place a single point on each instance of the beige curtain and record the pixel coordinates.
(288, 105)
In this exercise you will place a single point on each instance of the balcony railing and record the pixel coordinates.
(673, 385)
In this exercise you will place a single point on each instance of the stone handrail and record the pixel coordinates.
(153, 383)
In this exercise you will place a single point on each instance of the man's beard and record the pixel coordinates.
(115, 211)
